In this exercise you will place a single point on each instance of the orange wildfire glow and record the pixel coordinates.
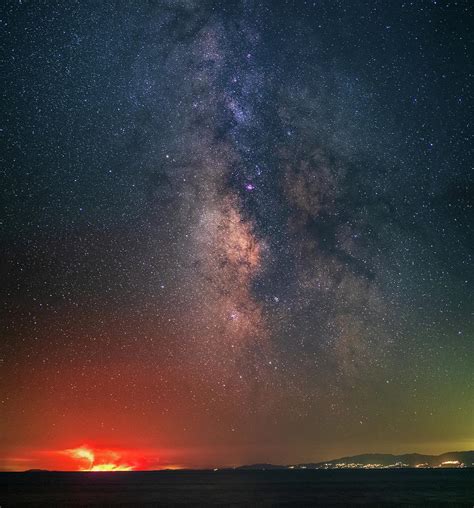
(99, 460)
(92, 458)
(111, 467)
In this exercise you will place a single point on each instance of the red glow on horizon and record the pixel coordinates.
(98, 459)
(111, 467)
(93, 457)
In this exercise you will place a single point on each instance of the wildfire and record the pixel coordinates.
(98, 460)
(111, 467)
(82, 453)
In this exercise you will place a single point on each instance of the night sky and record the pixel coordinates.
(235, 231)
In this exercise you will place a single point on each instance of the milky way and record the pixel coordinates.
(235, 231)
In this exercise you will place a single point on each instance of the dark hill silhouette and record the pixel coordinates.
(384, 459)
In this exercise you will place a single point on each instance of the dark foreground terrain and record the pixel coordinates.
(454, 487)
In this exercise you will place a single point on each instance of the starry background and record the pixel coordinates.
(235, 231)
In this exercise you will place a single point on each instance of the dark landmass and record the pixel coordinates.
(260, 467)
(375, 460)
(37, 471)
(449, 459)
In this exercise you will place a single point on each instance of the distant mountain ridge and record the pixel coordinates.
(382, 459)
(367, 459)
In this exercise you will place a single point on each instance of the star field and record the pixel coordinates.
(236, 231)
